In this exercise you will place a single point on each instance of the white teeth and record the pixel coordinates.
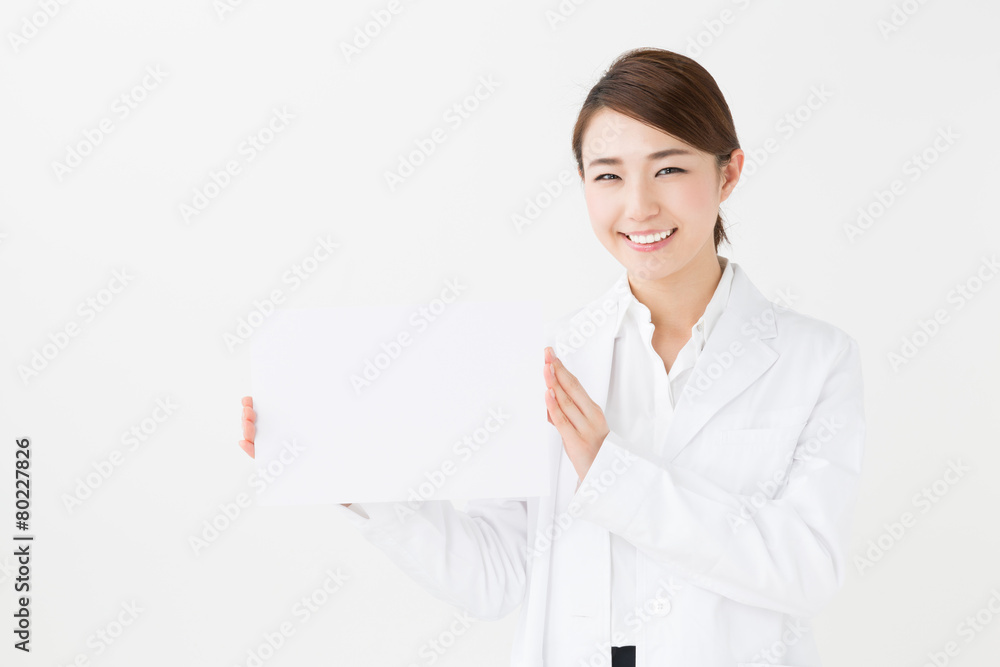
(652, 238)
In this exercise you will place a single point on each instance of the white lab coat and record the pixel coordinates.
(741, 520)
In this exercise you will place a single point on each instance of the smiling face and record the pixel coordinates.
(640, 180)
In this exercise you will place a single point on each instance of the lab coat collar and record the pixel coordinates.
(629, 306)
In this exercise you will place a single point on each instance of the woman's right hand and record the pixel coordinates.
(250, 429)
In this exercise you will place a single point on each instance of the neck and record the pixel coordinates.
(678, 300)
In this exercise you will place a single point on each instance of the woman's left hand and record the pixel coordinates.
(579, 420)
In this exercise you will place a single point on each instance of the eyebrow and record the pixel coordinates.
(652, 156)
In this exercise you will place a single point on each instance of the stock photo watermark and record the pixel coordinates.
(391, 350)
(104, 468)
(968, 629)
(223, 8)
(104, 637)
(218, 180)
(230, 511)
(121, 108)
(88, 310)
(370, 30)
(535, 205)
(294, 276)
(899, 15)
(464, 449)
(551, 189)
(884, 198)
(656, 606)
(768, 488)
(454, 116)
(301, 612)
(562, 12)
(22, 543)
(434, 648)
(586, 324)
(794, 631)
(713, 29)
(928, 328)
(589, 491)
(786, 127)
(896, 530)
(35, 22)
(706, 374)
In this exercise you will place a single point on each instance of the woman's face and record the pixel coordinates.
(638, 179)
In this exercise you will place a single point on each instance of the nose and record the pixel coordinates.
(640, 201)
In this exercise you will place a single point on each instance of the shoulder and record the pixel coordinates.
(785, 328)
(812, 346)
(810, 351)
(797, 328)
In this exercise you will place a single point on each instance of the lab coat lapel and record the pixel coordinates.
(735, 355)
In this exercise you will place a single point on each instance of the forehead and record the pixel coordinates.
(610, 133)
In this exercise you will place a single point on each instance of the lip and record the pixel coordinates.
(649, 247)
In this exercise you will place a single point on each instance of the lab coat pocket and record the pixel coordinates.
(751, 460)
(753, 436)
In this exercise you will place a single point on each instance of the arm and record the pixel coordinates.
(474, 560)
(787, 554)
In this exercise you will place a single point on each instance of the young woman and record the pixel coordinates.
(709, 443)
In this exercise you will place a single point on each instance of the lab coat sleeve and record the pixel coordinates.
(786, 552)
(475, 560)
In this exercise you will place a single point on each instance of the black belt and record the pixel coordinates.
(622, 656)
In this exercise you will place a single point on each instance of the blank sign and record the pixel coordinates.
(395, 403)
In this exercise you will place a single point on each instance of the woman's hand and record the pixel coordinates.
(578, 419)
(250, 429)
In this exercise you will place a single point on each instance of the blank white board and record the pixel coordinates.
(401, 403)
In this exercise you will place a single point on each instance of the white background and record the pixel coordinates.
(162, 336)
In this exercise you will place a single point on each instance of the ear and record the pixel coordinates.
(730, 174)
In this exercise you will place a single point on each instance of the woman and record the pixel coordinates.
(709, 443)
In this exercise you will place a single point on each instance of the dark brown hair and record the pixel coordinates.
(670, 92)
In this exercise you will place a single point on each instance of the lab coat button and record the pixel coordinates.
(661, 607)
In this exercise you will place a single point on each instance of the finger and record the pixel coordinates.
(247, 447)
(249, 430)
(560, 419)
(248, 401)
(249, 414)
(575, 391)
(548, 371)
(563, 397)
(550, 382)
(569, 407)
